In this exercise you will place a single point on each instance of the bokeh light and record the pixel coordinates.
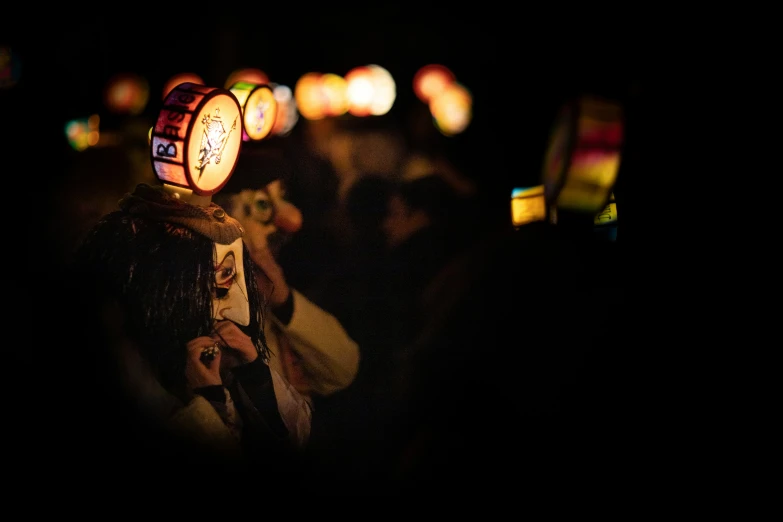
(287, 112)
(249, 75)
(83, 133)
(431, 80)
(181, 78)
(127, 93)
(452, 109)
(309, 96)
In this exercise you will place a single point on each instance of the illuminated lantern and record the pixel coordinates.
(360, 90)
(127, 93)
(196, 141)
(605, 222)
(431, 80)
(384, 90)
(181, 78)
(527, 205)
(248, 75)
(309, 97)
(583, 156)
(334, 89)
(259, 109)
(452, 109)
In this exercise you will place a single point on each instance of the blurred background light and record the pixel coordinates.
(249, 75)
(452, 109)
(605, 222)
(431, 80)
(127, 93)
(287, 111)
(360, 90)
(181, 78)
(334, 89)
(309, 96)
(384, 90)
(527, 205)
(83, 133)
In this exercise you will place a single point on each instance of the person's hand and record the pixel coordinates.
(236, 347)
(201, 369)
(278, 293)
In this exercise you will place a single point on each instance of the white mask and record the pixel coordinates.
(231, 301)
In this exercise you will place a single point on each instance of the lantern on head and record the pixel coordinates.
(259, 109)
(196, 141)
(583, 157)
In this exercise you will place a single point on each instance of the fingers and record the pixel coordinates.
(234, 341)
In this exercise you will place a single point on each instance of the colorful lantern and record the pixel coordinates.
(583, 157)
(259, 109)
(196, 141)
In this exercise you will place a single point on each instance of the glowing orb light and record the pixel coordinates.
(452, 109)
(127, 93)
(83, 133)
(181, 78)
(333, 88)
(360, 90)
(259, 109)
(287, 112)
(196, 139)
(431, 80)
(249, 75)
(309, 96)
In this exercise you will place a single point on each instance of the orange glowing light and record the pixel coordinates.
(197, 137)
(249, 75)
(127, 93)
(181, 78)
(360, 90)
(309, 96)
(334, 89)
(431, 80)
(452, 109)
(287, 113)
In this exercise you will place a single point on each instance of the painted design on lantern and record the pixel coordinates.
(260, 113)
(213, 141)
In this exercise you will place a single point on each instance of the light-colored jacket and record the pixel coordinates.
(313, 352)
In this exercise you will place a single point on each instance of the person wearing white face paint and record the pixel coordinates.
(183, 315)
(308, 345)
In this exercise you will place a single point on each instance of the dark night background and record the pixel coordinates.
(519, 64)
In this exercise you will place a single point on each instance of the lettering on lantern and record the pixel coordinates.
(196, 138)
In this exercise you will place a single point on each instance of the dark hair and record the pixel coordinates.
(162, 275)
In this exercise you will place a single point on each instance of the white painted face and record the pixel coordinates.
(230, 301)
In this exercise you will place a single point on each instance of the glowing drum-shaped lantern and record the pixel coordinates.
(259, 109)
(196, 140)
(583, 157)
